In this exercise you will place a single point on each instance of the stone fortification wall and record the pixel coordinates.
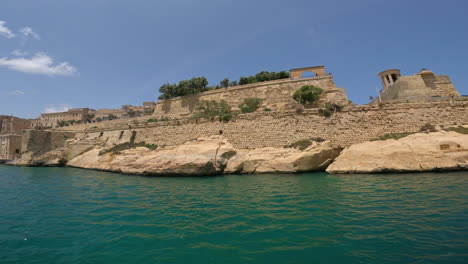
(276, 95)
(39, 141)
(278, 129)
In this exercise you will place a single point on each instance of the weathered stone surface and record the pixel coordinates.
(282, 160)
(418, 152)
(48, 159)
(208, 156)
(205, 156)
(352, 125)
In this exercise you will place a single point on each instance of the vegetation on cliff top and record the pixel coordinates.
(200, 84)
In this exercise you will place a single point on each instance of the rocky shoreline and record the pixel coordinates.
(420, 152)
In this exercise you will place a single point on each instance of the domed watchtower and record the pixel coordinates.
(389, 77)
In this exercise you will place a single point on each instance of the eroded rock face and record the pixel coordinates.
(418, 152)
(282, 160)
(208, 156)
(51, 158)
(205, 156)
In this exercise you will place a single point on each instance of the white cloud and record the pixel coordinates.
(54, 108)
(28, 32)
(16, 93)
(19, 53)
(40, 63)
(4, 31)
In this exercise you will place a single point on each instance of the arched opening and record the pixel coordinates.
(308, 74)
(17, 151)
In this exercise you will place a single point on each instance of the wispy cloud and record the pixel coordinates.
(40, 63)
(16, 93)
(28, 32)
(19, 53)
(54, 108)
(4, 31)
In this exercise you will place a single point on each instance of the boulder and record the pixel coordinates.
(436, 151)
(282, 160)
(204, 156)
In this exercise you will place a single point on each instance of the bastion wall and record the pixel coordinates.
(276, 95)
(277, 129)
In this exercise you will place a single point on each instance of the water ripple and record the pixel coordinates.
(62, 215)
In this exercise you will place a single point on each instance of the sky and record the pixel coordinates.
(60, 54)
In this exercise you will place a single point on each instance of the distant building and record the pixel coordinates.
(72, 116)
(13, 125)
(424, 86)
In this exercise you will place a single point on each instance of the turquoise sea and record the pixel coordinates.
(66, 215)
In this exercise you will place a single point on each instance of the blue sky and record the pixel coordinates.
(106, 53)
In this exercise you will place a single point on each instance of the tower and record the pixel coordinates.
(389, 77)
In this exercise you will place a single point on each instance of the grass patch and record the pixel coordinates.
(460, 129)
(125, 146)
(392, 136)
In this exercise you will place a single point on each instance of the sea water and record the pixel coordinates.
(66, 215)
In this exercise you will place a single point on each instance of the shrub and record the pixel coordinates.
(460, 129)
(266, 109)
(332, 107)
(212, 109)
(151, 120)
(301, 144)
(428, 128)
(307, 94)
(250, 105)
(164, 118)
(324, 112)
(392, 136)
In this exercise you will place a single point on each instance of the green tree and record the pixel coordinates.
(250, 105)
(185, 87)
(112, 117)
(308, 94)
(243, 80)
(225, 83)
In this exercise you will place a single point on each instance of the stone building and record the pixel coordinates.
(10, 147)
(13, 125)
(424, 86)
(51, 120)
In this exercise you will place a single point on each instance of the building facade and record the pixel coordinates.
(51, 120)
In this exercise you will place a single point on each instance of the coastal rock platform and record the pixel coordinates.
(437, 151)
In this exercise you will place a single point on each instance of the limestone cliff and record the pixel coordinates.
(206, 156)
(436, 151)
